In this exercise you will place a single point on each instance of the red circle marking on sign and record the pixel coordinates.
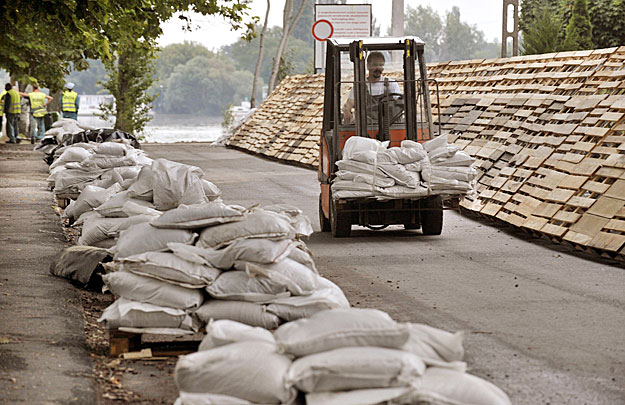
(322, 30)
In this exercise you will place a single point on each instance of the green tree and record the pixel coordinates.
(607, 18)
(426, 24)
(579, 30)
(460, 40)
(87, 81)
(541, 35)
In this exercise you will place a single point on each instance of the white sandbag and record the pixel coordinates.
(241, 286)
(445, 386)
(142, 188)
(84, 216)
(168, 267)
(374, 396)
(211, 191)
(108, 178)
(358, 144)
(260, 250)
(194, 398)
(380, 181)
(258, 224)
(113, 207)
(90, 198)
(152, 291)
(253, 371)
(199, 216)
(175, 183)
(106, 162)
(436, 142)
(460, 173)
(403, 192)
(248, 313)
(224, 332)
(71, 154)
(442, 153)
(405, 155)
(335, 328)
(300, 222)
(374, 157)
(460, 158)
(431, 343)
(71, 181)
(124, 313)
(133, 208)
(327, 296)
(98, 228)
(348, 185)
(296, 277)
(144, 237)
(217, 258)
(111, 148)
(302, 255)
(351, 368)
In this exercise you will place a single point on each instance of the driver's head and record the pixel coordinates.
(375, 64)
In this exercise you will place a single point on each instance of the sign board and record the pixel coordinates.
(339, 21)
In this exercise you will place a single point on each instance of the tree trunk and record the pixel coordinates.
(120, 97)
(261, 47)
(288, 23)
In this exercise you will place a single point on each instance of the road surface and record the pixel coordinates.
(543, 322)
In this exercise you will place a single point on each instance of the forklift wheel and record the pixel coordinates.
(324, 222)
(432, 219)
(410, 227)
(339, 224)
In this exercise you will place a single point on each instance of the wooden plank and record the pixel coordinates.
(589, 224)
(617, 190)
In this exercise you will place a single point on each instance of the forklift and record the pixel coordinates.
(391, 116)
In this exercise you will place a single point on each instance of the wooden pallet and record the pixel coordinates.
(63, 200)
(124, 342)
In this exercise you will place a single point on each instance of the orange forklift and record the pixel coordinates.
(386, 114)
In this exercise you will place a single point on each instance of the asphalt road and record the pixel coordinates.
(541, 321)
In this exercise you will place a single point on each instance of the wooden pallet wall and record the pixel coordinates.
(548, 133)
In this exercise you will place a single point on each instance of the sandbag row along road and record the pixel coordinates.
(542, 322)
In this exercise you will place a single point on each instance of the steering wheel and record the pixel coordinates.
(398, 101)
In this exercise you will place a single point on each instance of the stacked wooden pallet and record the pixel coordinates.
(548, 133)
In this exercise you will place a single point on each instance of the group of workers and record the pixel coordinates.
(11, 106)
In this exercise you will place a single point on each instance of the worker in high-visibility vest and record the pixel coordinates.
(38, 103)
(69, 102)
(2, 107)
(12, 110)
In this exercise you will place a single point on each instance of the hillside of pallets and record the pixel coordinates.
(548, 133)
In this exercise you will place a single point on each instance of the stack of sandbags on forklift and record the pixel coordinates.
(344, 356)
(370, 169)
(449, 170)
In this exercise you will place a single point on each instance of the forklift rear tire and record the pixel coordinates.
(432, 219)
(324, 222)
(339, 223)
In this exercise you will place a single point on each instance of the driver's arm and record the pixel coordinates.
(348, 117)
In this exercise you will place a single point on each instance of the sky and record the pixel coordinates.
(214, 32)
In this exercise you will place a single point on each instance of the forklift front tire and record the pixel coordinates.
(432, 218)
(324, 222)
(339, 223)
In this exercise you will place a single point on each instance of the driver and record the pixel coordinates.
(375, 83)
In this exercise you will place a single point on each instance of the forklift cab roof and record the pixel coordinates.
(376, 43)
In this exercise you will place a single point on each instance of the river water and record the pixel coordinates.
(170, 128)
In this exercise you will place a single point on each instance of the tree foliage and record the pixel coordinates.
(578, 30)
(449, 38)
(541, 35)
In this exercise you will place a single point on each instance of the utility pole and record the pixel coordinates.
(505, 34)
(397, 19)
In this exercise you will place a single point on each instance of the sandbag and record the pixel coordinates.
(144, 237)
(168, 267)
(194, 398)
(175, 183)
(114, 206)
(212, 192)
(199, 216)
(327, 296)
(253, 371)
(431, 343)
(444, 386)
(335, 328)
(258, 224)
(111, 148)
(350, 368)
(79, 264)
(241, 286)
(152, 291)
(124, 313)
(224, 332)
(142, 187)
(90, 198)
(296, 277)
(374, 396)
(248, 313)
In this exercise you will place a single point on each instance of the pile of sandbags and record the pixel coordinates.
(338, 356)
(369, 169)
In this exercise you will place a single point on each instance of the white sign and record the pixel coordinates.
(339, 21)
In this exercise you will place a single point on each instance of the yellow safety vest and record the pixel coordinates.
(2, 102)
(37, 100)
(69, 101)
(15, 106)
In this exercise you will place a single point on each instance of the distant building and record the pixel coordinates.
(90, 103)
